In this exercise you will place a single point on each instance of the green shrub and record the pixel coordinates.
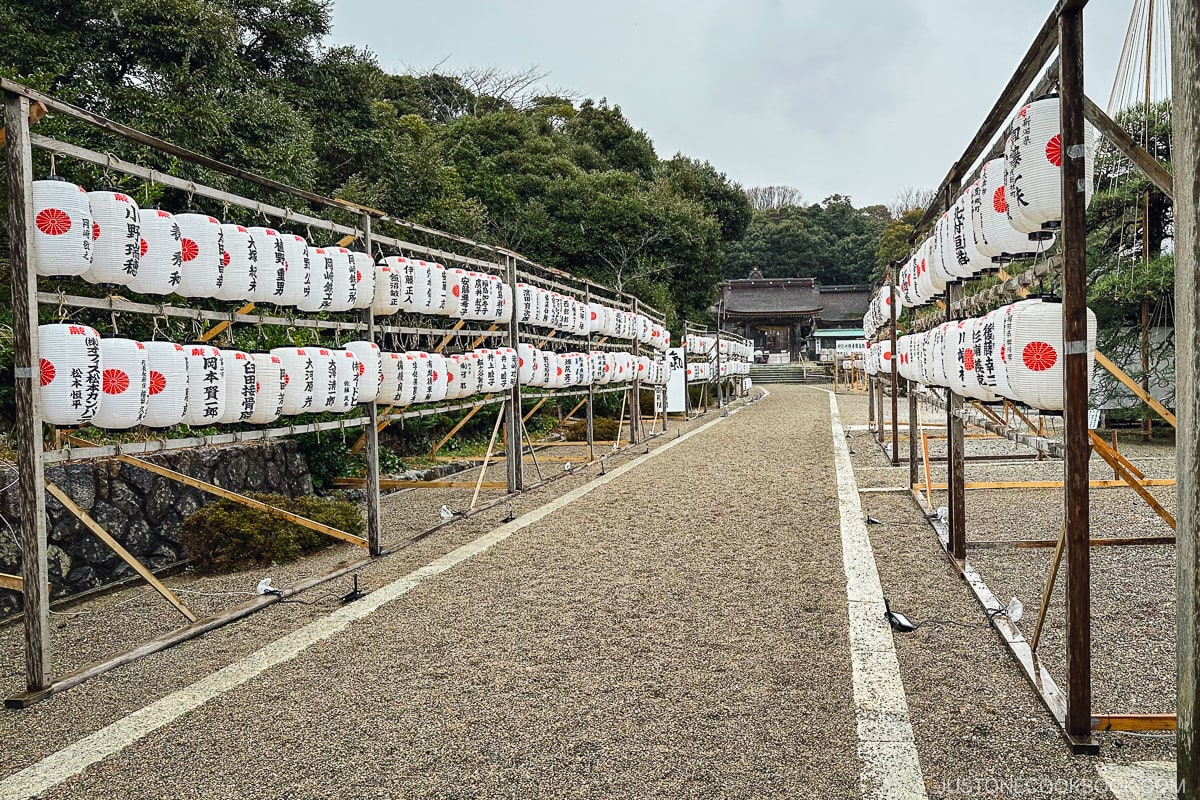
(225, 534)
(604, 429)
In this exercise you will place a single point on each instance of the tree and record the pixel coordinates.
(893, 242)
(766, 198)
(908, 199)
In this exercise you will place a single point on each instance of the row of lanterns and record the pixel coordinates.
(103, 237)
(1009, 212)
(1013, 352)
(119, 383)
(697, 345)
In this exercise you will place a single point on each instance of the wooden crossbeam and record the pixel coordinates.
(250, 502)
(1096, 484)
(12, 582)
(1134, 722)
(215, 330)
(1039, 544)
(457, 427)
(533, 410)
(1103, 449)
(1133, 386)
(138, 567)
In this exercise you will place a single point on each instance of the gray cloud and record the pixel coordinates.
(859, 97)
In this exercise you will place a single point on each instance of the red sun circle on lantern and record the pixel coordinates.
(143, 247)
(46, 371)
(456, 290)
(158, 382)
(1054, 150)
(190, 249)
(998, 201)
(53, 221)
(968, 359)
(1039, 356)
(114, 381)
(362, 368)
(95, 231)
(225, 259)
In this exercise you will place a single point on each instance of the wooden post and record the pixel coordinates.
(1075, 383)
(27, 431)
(870, 406)
(371, 456)
(512, 406)
(635, 392)
(591, 391)
(895, 373)
(955, 462)
(1185, 115)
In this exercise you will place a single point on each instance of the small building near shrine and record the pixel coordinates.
(791, 319)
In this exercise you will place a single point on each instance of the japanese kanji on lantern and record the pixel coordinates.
(1033, 155)
(370, 372)
(321, 276)
(298, 390)
(347, 373)
(390, 367)
(240, 277)
(995, 237)
(167, 389)
(62, 228)
(431, 289)
(124, 384)
(388, 290)
(364, 275)
(116, 234)
(271, 382)
(69, 373)
(1034, 345)
(345, 278)
(271, 277)
(297, 270)
(202, 254)
(160, 264)
(325, 378)
(240, 387)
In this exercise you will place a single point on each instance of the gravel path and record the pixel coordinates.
(678, 632)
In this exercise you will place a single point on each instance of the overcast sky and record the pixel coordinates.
(858, 97)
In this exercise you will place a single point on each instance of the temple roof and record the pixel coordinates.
(781, 297)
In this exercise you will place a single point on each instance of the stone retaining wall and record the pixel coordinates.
(143, 511)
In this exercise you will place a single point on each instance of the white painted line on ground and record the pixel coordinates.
(889, 765)
(64, 764)
(1142, 780)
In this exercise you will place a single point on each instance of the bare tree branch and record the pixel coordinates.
(765, 198)
(909, 199)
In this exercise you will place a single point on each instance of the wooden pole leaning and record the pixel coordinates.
(1078, 724)
(104, 536)
(488, 456)
(250, 502)
(27, 431)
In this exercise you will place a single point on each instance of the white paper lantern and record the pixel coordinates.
(62, 228)
(202, 254)
(1033, 155)
(160, 265)
(124, 384)
(206, 385)
(240, 276)
(527, 356)
(271, 382)
(69, 373)
(526, 303)
(325, 382)
(297, 269)
(116, 233)
(167, 386)
(390, 367)
(321, 281)
(389, 289)
(347, 370)
(1034, 344)
(241, 386)
(300, 384)
(986, 355)
(461, 284)
(370, 370)
(364, 293)
(995, 236)
(270, 278)
(345, 279)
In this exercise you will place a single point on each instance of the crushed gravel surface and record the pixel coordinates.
(678, 632)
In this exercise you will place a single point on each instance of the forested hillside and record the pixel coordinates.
(568, 182)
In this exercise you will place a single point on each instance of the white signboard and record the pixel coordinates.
(677, 382)
(850, 346)
(658, 399)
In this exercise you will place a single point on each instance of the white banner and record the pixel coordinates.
(677, 382)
